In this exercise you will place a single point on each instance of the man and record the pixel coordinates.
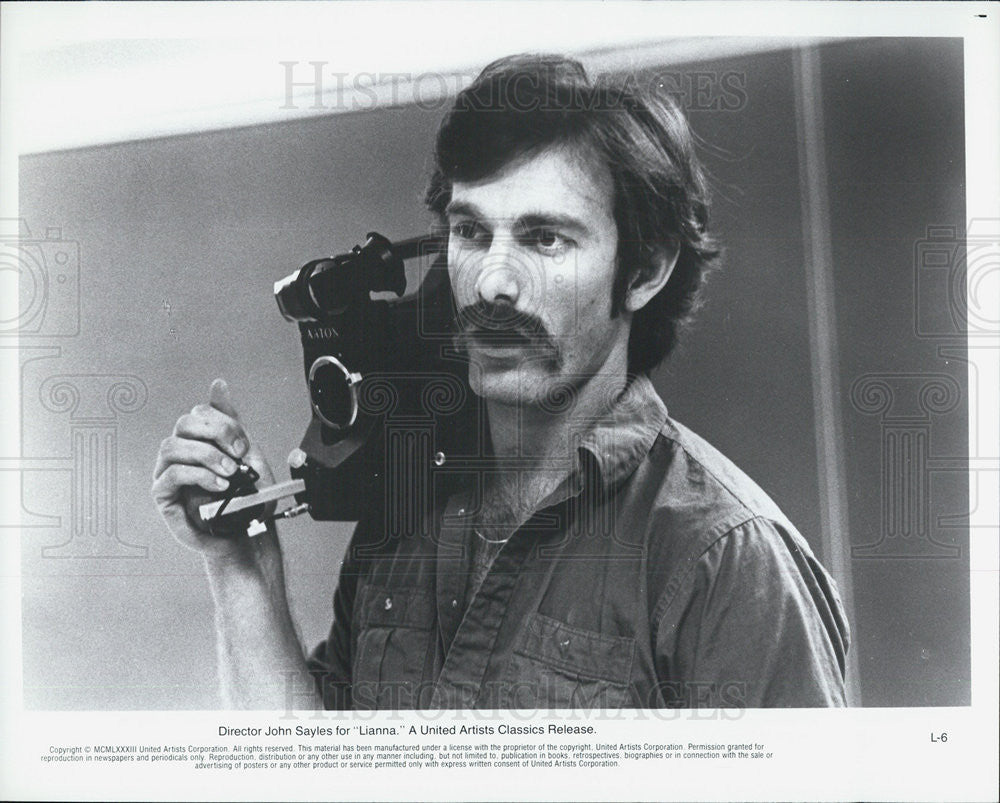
(609, 557)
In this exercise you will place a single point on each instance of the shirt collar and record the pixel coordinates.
(610, 450)
(620, 439)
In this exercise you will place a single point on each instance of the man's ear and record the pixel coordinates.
(647, 283)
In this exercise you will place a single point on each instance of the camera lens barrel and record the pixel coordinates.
(333, 392)
(324, 287)
(293, 294)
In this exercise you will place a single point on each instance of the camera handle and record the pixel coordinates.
(214, 513)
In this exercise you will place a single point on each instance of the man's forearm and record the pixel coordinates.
(261, 662)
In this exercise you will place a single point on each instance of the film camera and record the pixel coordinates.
(387, 389)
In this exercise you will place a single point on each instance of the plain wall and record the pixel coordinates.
(897, 169)
(180, 240)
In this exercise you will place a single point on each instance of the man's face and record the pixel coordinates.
(531, 256)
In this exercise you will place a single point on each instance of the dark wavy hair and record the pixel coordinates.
(521, 105)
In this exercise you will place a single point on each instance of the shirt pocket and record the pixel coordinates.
(555, 665)
(395, 630)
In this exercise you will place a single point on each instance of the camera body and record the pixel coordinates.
(388, 390)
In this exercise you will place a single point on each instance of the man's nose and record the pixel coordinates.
(501, 276)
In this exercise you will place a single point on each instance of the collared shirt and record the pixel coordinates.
(656, 575)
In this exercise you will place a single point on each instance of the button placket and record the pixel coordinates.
(472, 648)
(452, 567)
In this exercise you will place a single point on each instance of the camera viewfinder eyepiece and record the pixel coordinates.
(324, 288)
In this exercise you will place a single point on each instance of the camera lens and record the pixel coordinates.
(287, 295)
(334, 393)
(297, 297)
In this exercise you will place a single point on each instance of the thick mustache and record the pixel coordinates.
(500, 322)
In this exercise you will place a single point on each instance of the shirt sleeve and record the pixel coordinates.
(756, 622)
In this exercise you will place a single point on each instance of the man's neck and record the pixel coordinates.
(539, 437)
(540, 441)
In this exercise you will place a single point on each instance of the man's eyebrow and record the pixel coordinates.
(529, 220)
(552, 220)
(461, 208)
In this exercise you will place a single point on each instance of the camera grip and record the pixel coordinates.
(226, 525)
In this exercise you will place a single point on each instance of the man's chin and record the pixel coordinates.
(517, 384)
(502, 383)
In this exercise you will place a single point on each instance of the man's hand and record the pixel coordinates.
(259, 651)
(193, 467)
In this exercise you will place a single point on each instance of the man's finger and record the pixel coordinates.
(177, 476)
(219, 397)
(208, 423)
(193, 453)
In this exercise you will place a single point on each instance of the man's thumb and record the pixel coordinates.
(220, 398)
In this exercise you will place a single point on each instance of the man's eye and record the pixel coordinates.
(547, 240)
(468, 230)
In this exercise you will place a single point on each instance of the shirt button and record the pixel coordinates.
(388, 603)
(439, 459)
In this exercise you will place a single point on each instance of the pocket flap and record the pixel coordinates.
(397, 607)
(578, 651)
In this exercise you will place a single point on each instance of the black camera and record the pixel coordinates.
(330, 300)
(388, 389)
